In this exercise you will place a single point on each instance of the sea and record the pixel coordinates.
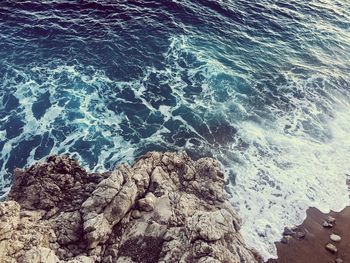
(261, 85)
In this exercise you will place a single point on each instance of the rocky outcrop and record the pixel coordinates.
(165, 208)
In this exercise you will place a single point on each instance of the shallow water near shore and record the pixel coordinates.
(263, 86)
(312, 245)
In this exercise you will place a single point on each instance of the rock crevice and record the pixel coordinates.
(165, 208)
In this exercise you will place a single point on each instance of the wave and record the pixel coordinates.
(296, 162)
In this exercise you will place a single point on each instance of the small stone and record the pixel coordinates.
(331, 220)
(287, 232)
(339, 260)
(327, 225)
(286, 239)
(300, 234)
(332, 248)
(335, 238)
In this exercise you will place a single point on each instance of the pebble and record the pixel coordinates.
(338, 260)
(332, 248)
(287, 232)
(300, 234)
(331, 220)
(285, 239)
(327, 225)
(335, 237)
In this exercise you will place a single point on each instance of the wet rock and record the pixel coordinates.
(58, 212)
(335, 238)
(294, 232)
(62, 184)
(332, 248)
(326, 224)
(300, 234)
(286, 239)
(287, 232)
(331, 220)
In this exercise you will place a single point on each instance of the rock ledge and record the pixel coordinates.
(165, 208)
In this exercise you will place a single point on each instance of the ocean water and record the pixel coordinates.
(262, 85)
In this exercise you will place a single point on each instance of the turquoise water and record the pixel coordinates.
(261, 85)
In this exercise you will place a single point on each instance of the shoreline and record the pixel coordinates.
(307, 242)
(110, 216)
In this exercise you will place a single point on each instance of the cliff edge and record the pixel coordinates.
(165, 208)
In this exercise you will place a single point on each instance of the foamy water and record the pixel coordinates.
(284, 174)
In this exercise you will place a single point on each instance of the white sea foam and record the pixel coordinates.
(282, 175)
(291, 160)
(284, 171)
(84, 90)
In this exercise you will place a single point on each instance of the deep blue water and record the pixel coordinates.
(262, 85)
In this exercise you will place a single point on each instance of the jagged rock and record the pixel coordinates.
(147, 203)
(165, 208)
(296, 232)
(58, 183)
(9, 213)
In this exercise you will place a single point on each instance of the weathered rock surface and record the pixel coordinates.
(165, 208)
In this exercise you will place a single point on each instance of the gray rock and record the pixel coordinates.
(58, 212)
(147, 203)
(10, 214)
(40, 255)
